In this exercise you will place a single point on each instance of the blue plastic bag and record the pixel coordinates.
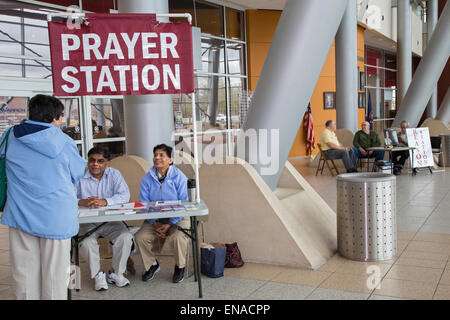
(213, 261)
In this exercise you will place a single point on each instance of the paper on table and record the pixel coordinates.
(129, 205)
(107, 212)
(87, 212)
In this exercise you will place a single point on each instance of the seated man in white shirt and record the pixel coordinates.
(103, 186)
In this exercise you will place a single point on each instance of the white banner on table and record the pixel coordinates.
(419, 138)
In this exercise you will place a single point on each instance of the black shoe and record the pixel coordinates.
(178, 274)
(150, 274)
(415, 171)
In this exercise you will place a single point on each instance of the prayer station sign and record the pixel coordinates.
(121, 54)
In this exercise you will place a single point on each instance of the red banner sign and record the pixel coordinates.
(121, 54)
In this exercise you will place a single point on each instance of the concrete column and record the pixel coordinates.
(432, 18)
(444, 110)
(300, 46)
(346, 71)
(404, 49)
(427, 73)
(148, 118)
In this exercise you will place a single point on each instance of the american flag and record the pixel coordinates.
(309, 131)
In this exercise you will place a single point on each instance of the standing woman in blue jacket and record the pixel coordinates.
(162, 183)
(42, 165)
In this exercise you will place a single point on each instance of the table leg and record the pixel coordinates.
(197, 258)
(194, 251)
(390, 161)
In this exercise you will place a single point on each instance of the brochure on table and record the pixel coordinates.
(136, 207)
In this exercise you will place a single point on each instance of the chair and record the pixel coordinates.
(323, 159)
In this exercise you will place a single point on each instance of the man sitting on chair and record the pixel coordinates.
(365, 139)
(333, 149)
(103, 186)
(163, 182)
(399, 157)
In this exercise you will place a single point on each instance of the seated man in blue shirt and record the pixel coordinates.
(103, 186)
(162, 183)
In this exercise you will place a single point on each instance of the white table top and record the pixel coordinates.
(200, 210)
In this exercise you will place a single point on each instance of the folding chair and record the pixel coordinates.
(323, 160)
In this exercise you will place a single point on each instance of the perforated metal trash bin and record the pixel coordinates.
(445, 143)
(366, 216)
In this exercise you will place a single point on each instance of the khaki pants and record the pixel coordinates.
(40, 267)
(149, 243)
(118, 234)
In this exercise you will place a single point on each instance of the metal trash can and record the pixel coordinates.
(445, 145)
(366, 216)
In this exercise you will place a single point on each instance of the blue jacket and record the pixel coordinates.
(174, 187)
(42, 165)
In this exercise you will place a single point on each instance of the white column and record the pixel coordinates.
(346, 71)
(432, 18)
(148, 118)
(404, 49)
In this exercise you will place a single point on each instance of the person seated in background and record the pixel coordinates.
(399, 157)
(163, 182)
(103, 186)
(365, 139)
(333, 149)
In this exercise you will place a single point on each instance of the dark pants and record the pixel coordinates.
(348, 157)
(378, 155)
(400, 157)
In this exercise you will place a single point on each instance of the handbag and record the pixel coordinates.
(3, 170)
(233, 258)
(213, 260)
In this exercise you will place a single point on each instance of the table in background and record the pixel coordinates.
(392, 149)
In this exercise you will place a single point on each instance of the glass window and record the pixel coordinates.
(235, 24)
(4, 17)
(10, 32)
(115, 148)
(10, 67)
(209, 18)
(212, 103)
(38, 18)
(235, 58)
(38, 50)
(11, 48)
(181, 6)
(107, 118)
(37, 70)
(391, 61)
(238, 101)
(12, 111)
(213, 55)
(71, 119)
(36, 35)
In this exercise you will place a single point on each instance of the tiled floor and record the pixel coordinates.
(420, 270)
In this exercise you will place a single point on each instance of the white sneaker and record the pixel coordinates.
(100, 282)
(118, 280)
